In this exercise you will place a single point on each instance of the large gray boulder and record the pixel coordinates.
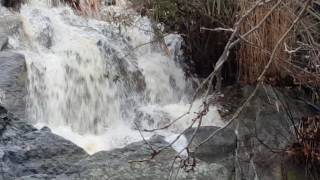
(13, 81)
(28, 153)
(221, 148)
(115, 165)
(263, 129)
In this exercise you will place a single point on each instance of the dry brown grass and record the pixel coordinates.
(252, 60)
(85, 7)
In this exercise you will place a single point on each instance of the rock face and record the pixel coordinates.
(11, 24)
(12, 65)
(263, 128)
(115, 165)
(28, 153)
(13, 82)
(221, 148)
(44, 30)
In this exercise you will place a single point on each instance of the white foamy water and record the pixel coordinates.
(90, 84)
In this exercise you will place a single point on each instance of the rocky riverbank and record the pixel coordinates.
(29, 153)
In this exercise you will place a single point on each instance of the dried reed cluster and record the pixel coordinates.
(254, 51)
(85, 7)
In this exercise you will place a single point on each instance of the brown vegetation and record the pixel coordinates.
(206, 27)
(306, 150)
(252, 56)
(297, 58)
(85, 7)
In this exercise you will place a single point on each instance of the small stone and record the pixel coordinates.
(45, 128)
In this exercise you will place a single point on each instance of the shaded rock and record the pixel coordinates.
(3, 42)
(115, 165)
(28, 153)
(221, 148)
(13, 82)
(35, 177)
(14, 4)
(264, 126)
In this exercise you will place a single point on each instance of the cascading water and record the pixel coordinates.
(90, 83)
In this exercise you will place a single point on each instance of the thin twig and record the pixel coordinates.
(218, 29)
(167, 125)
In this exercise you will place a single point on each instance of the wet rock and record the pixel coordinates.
(219, 148)
(155, 118)
(11, 24)
(174, 44)
(116, 165)
(264, 126)
(28, 153)
(3, 42)
(13, 82)
(123, 72)
(128, 72)
(43, 28)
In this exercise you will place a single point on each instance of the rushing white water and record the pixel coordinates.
(90, 83)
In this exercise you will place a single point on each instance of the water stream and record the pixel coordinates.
(91, 81)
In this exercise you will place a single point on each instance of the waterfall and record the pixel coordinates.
(92, 80)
